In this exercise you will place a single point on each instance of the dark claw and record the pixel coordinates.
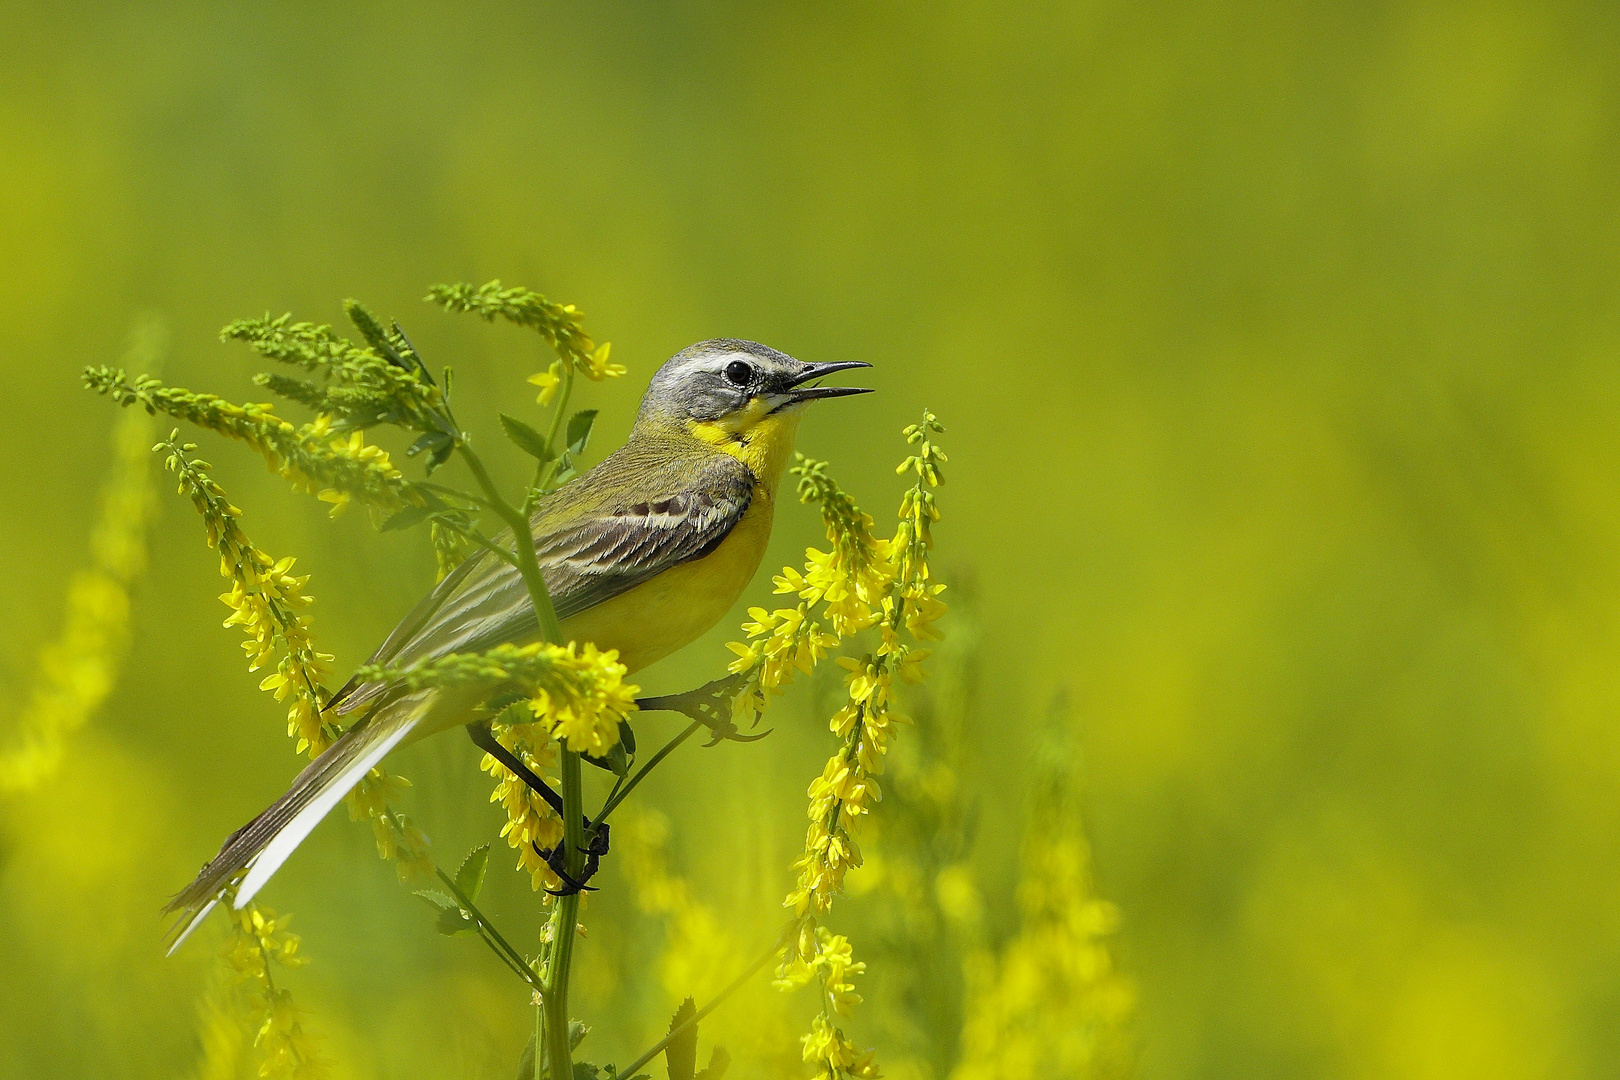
(570, 886)
(598, 846)
(709, 705)
(593, 862)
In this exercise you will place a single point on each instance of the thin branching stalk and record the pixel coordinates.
(527, 561)
(563, 922)
(620, 794)
(719, 999)
(492, 937)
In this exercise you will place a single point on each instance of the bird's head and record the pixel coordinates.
(741, 397)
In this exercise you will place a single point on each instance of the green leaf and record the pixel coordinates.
(528, 440)
(615, 761)
(719, 1061)
(439, 901)
(372, 330)
(681, 1051)
(584, 1070)
(431, 440)
(565, 470)
(451, 919)
(411, 515)
(455, 921)
(470, 878)
(579, 430)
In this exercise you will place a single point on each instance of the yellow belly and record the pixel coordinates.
(657, 617)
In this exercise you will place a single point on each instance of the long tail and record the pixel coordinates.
(263, 844)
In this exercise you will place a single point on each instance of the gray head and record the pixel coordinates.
(725, 377)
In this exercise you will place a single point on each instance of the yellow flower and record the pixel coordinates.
(530, 821)
(587, 720)
(599, 367)
(78, 670)
(257, 941)
(862, 581)
(548, 381)
(339, 500)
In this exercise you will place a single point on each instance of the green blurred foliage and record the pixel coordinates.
(1277, 345)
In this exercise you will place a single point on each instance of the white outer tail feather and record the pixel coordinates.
(276, 852)
(269, 858)
(192, 923)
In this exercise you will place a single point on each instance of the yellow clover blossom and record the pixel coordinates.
(577, 692)
(548, 381)
(586, 716)
(599, 368)
(861, 582)
(834, 1055)
(1052, 1003)
(848, 583)
(266, 600)
(258, 940)
(530, 820)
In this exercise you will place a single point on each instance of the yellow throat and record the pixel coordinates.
(756, 436)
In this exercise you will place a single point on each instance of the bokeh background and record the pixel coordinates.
(1278, 348)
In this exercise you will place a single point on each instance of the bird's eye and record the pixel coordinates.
(738, 373)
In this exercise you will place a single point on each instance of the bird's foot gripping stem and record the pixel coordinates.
(709, 705)
(557, 859)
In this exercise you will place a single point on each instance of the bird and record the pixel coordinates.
(641, 554)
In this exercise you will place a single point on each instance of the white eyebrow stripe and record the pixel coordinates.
(715, 363)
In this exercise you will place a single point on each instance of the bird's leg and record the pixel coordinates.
(709, 705)
(485, 740)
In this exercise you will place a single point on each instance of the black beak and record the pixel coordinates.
(816, 371)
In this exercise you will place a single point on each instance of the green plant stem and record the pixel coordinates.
(492, 937)
(528, 563)
(675, 1033)
(482, 541)
(619, 795)
(562, 405)
(539, 1039)
(545, 469)
(555, 999)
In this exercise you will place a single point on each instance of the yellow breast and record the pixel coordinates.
(652, 620)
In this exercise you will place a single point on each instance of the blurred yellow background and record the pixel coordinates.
(1277, 347)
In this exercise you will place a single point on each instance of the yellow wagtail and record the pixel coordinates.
(642, 554)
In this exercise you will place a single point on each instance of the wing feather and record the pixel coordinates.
(591, 547)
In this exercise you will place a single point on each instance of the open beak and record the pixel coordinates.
(798, 392)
